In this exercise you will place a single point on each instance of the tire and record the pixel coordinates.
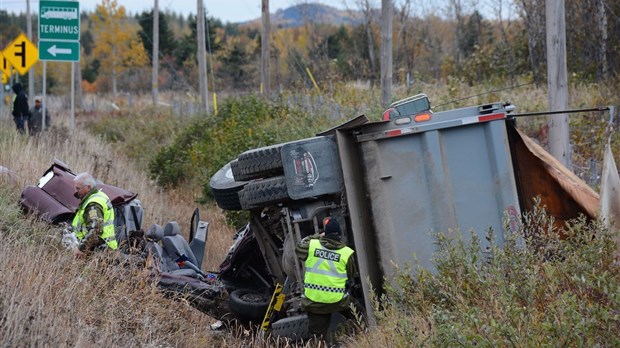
(258, 163)
(263, 193)
(294, 328)
(225, 189)
(249, 305)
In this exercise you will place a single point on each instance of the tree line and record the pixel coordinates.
(455, 41)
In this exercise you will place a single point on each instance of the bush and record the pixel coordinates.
(139, 135)
(536, 290)
(207, 144)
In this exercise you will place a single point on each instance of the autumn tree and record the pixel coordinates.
(116, 41)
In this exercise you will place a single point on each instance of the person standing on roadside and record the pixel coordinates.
(19, 107)
(35, 121)
(93, 223)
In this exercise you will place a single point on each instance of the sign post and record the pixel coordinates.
(5, 69)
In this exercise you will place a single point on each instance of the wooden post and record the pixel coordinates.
(559, 145)
(386, 52)
(202, 59)
(154, 77)
(266, 32)
(29, 33)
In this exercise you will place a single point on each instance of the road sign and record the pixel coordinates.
(68, 51)
(59, 30)
(5, 67)
(21, 53)
(59, 20)
(5, 80)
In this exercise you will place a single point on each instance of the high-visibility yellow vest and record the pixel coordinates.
(326, 273)
(107, 234)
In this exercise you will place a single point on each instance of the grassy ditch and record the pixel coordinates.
(48, 298)
(536, 290)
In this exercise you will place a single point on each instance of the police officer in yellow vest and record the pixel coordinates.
(329, 269)
(93, 223)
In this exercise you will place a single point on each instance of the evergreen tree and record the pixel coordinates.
(234, 65)
(187, 47)
(167, 43)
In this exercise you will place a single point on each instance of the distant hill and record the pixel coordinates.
(297, 15)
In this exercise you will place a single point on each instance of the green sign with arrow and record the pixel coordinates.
(59, 30)
(68, 51)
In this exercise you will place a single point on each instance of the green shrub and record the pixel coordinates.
(139, 134)
(536, 290)
(207, 144)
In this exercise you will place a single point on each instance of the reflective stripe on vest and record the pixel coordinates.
(107, 233)
(326, 273)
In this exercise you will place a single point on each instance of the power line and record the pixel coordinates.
(488, 92)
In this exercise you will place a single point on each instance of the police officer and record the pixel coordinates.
(329, 269)
(93, 223)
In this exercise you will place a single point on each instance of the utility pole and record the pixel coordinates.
(264, 63)
(557, 82)
(154, 82)
(202, 59)
(386, 52)
(29, 32)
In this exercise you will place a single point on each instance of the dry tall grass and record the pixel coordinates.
(48, 298)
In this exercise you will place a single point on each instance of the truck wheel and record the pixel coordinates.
(249, 305)
(294, 328)
(225, 189)
(262, 193)
(258, 163)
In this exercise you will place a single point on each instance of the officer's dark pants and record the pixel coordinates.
(19, 123)
(319, 324)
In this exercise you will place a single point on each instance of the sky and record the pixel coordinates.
(234, 11)
(225, 10)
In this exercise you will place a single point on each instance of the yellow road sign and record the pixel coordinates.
(5, 79)
(22, 54)
(5, 66)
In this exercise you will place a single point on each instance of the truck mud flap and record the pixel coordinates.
(263, 193)
(258, 163)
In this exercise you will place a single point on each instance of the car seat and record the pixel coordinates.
(175, 248)
(154, 235)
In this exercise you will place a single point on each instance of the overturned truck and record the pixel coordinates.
(391, 184)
